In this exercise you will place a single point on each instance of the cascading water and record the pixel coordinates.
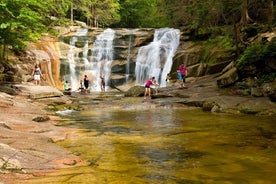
(71, 58)
(72, 64)
(95, 60)
(155, 59)
(101, 59)
(129, 55)
(96, 64)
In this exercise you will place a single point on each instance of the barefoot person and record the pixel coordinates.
(147, 87)
(81, 88)
(86, 83)
(168, 78)
(102, 84)
(156, 86)
(179, 79)
(37, 74)
(183, 71)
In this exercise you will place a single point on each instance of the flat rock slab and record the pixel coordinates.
(36, 92)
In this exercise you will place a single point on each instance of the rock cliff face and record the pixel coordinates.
(53, 52)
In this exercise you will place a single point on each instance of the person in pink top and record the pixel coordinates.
(147, 87)
(183, 71)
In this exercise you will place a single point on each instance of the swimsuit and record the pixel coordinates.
(148, 84)
(86, 82)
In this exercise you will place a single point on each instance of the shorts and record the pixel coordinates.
(179, 76)
(183, 78)
(36, 77)
(147, 86)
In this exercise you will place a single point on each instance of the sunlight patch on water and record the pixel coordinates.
(65, 112)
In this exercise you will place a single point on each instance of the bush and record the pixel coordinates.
(214, 48)
(266, 78)
(257, 54)
(251, 55)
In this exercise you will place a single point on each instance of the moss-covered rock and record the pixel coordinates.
(228, 78)
(135, 91)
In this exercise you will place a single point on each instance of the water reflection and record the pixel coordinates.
(149, 144)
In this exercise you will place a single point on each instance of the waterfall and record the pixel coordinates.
(72, 55)
(95, 59)
(155, 59)
(72, 64)
(97, 64)
(101, 59)
(129, 55)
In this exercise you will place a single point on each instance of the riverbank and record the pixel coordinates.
(203, 93)
(28, 131)
(28, 134)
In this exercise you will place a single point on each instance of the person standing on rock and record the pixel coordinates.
(168, 78)
(179, 79)
(37, 74)
(81, 88)
(86, 83)
(102, 84)
(183, 71)
(147, 87)
(156, 86)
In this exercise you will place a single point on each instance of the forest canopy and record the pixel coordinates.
(26, 20)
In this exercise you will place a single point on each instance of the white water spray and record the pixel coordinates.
(101, 59)
(72, 54)
(72, 64)
(129, 55)
(155, 59)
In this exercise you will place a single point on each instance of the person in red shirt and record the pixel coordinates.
(150, 82)
(183, 71)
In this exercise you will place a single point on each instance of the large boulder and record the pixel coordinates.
(228, 78)
(135, 91)
(272, 96)
(37, 92)
(217, 67)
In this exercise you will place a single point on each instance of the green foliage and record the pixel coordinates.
(265, 78)
(214, 46)
(270, 50)
(251, 55)
(142, 13)
(20, 21)
(97, 13)
(57, 8)
(257, 53)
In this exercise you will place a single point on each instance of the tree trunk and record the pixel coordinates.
(72, 11)
(5, 52)
(2, 54)
(271, 12)
(245, 16)
(236, 40)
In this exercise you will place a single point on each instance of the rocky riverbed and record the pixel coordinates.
(204, 93)
(28, 132)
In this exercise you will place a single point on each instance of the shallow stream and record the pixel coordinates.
(137, 142)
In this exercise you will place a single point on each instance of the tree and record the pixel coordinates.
(58, 8)
(98, 12)
(142, 13)
(21, 20)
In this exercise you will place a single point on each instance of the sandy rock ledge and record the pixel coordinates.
(27, 147)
